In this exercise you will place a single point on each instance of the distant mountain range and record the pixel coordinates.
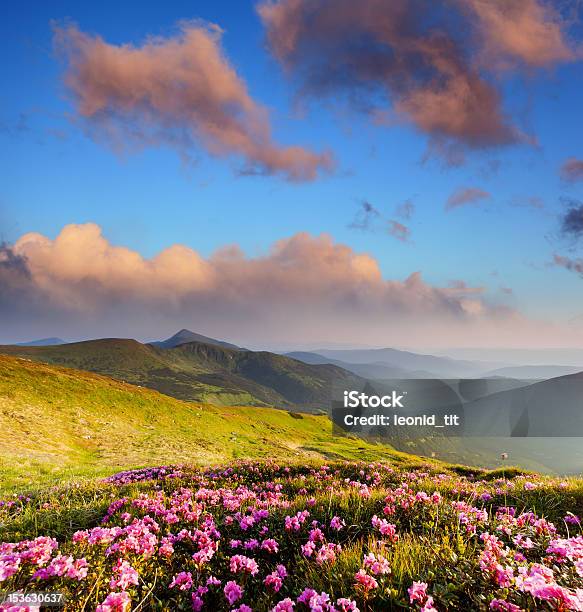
(199, 371)
(43, 342)
(393, 363)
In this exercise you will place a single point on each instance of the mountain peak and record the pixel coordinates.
(186, 335)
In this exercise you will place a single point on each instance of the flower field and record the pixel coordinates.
(266, 536)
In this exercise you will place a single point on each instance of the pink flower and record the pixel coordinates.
(428, 606)
(337, 523)
(243, 564)
(503, 575)
(233, 592)
(376, 564)
(417, 592)
(270, 545)
(182, 581)
(366, 582)
(327, 553)
(273, 581)
(387, 529)
(294, 523)
(115, 602)
(306, 596)
(499, 605)
(285, 605)
(125, 576)
(346, 605)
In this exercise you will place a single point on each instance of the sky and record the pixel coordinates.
(403, 173)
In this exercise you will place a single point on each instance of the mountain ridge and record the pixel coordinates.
(196, 371)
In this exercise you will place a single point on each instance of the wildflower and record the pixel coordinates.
(115, 602)
(366, 582)
(376, 564)
(571, 518)
(233, 592)
(499, 605)
(285, 605)
(337, 523)
(346, 605)
(306, 596)
(273, 581)
(125, 576)
(327, 553)
(242, 564)
(417, 592)
(387, 529)
(270, 545)
(182, 581)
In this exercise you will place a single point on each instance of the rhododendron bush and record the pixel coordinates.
(338, 537)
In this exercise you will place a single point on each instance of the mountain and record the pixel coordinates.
(536, 372)
(443, 367)
(185, 335)
(196, 371)
(366, 370)
(509, 356)
(43, 342)
(64, 422)
(549, 408)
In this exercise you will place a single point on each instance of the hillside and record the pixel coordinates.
(62, 421)
(200, 372)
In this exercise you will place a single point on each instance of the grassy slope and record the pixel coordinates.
(59, 422)
(199, 372)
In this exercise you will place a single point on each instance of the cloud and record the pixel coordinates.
(530, 32)
(465, 195)
(399, 231)
(437, 72)
(573, 265)
(406, 210)
(535, 202)
(305, 288)
(364, 217)
(178, 91)
(572, 170)
(572, 220)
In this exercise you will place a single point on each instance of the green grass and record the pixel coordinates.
(61, 424)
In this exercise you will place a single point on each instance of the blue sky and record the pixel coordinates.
(55, 173)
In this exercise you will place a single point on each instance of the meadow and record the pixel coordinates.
(290, 516)
(282, 536)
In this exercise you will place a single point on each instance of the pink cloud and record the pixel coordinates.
(399, 231)
(530, 32)
(305, 287)
(464, 196)
(176, 91)
(572, 170)
(435, 72)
